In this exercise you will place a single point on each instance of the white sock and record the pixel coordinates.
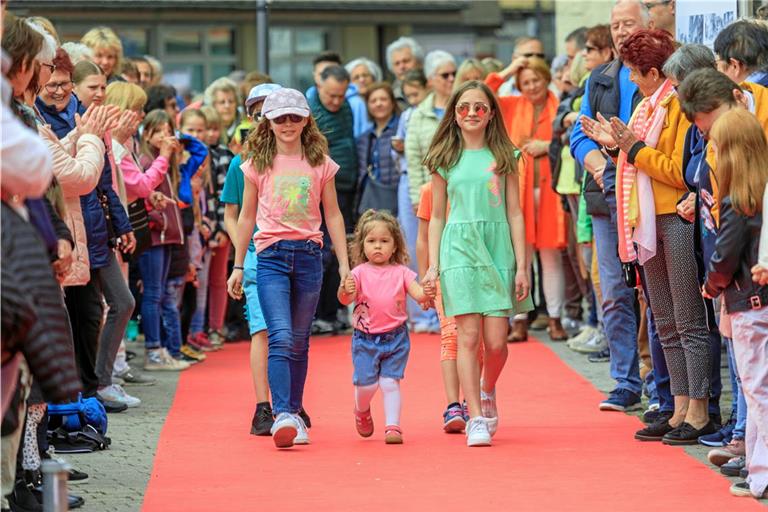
(390, 389)
(364, 395)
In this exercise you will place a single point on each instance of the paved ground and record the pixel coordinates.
(119, 475)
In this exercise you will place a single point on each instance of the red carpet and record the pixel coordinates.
(554, 450)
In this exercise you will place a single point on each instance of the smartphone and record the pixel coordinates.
(629, 271)
(244, 134)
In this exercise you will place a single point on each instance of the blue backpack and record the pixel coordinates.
(75, 416)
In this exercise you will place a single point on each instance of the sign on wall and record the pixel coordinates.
(700, 21)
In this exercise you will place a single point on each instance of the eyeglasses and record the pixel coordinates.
(52, 66)
(53, 87)
(463, 109)
(447, 75)
(293, 118)
(651, 5)
(539, 55)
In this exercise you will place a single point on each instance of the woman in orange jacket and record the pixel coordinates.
(528, 119)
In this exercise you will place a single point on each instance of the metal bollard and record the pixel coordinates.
(55, 476)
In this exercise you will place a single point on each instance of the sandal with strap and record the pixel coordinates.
(393, 434)
(364, 423)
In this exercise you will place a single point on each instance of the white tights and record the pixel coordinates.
(390, 389)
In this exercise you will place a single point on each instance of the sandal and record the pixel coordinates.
(364, 423)
(393, 435)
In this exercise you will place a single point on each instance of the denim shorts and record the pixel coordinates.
(253, 314)
(379, 355)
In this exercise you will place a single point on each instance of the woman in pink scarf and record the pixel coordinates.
(649, 184)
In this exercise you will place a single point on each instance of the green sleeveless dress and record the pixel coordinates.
(477, 260)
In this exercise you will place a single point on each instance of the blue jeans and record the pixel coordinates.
(153, 266)
(197, 322)
(289, 273)
(618, 305)
(410, 225)
(739, 405)
(169, 309)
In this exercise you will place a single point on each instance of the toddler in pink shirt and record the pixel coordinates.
(380, 344)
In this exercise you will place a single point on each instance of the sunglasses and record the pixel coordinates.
(447, 75)
(480, 109)
(293, 118)
(539, 55)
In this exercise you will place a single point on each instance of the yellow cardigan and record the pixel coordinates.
(664, 164)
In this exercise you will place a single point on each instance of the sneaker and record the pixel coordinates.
(595, 344)
(183, 358)
(734, 466)
(159, 360)
(116, 393)
(620, 400)
(571, 324)
(419, 328)
(477, 432)
(305, 417)
(453, 419)
(200, 342)
(77, 477)
(465, 411)
(490, 412)
(135, 379)
(284, 430)
(110, 405)
(720, 456)
(364, 423)
(191, 353)
(720, 438)
(656, 431)
(302, 434)
(741, 489)
(262, 419)
(600, 357)
(322, 327)
(743, 472)
(117, 380)
(393, 434)
(687, 434)
(216, 339)
(585, 334)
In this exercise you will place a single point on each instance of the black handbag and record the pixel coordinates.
(104, 202)
(139, 219)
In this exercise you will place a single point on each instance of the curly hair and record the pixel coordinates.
(647, 49)
(261, 145)
(364, 226)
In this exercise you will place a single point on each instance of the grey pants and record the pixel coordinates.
(111, 282)
(678, 308)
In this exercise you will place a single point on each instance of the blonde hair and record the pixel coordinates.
(126, 96)
(212, 117)
(447, 143)
(465, 67)
(261, 145)
(742, 160)
(222, 84)
(364, 226)
(105, 37)
(538, 66)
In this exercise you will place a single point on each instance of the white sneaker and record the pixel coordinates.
(586, 333)
(284, 430)
(180, 365)
(596, 343)
(477, 432)
(490, 412)
(155, 361)
(116, 393)
(302, 433)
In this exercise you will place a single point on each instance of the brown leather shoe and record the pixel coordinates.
(519, 331)
(556, 331)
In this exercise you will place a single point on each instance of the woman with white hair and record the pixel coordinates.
(440, 70)
(222, 95)
(362, 72)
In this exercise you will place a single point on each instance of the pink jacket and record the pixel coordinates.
(77, 166)
(138, 182)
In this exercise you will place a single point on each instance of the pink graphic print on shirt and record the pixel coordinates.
(494, 186)
(291, 197)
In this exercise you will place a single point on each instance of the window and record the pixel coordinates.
(291, 51)
(196, 56)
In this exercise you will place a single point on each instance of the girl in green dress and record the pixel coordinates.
(474, 168)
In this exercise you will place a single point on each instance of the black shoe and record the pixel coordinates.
(657, 430)
(652, 416)
(77, 477)
(734, 467)
(600, 357)
(111, 406)
(129, 354)
(74, 501)
(688, 434)
(743, 473)
(305, 417)
(262, 420)
(23, 499)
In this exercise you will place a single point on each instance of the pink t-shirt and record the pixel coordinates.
(290, 193)
(381, 294)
